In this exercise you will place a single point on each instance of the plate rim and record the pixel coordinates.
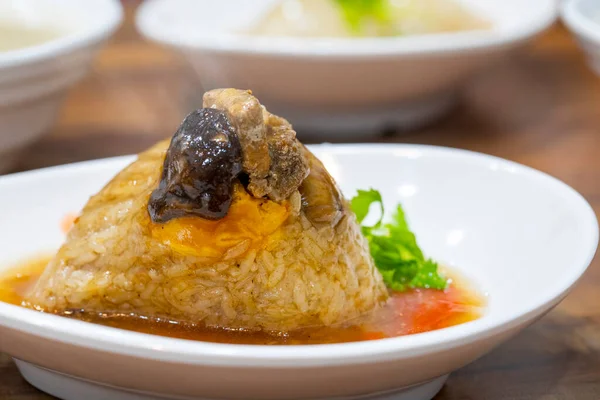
(114, 340)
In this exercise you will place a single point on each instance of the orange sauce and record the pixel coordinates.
(67, 222)
(405, 313)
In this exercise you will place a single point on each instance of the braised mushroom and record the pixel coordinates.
(202, 162)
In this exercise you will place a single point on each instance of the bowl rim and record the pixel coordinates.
(578, 22)
(117, 341)
(418, 45)
(72, 41)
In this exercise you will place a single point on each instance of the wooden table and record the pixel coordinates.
(540, 108)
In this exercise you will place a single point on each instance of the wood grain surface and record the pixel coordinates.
(540, 107)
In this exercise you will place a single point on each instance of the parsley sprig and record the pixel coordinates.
(394, 248)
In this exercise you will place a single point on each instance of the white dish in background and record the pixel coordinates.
(522, 237)
(34, 80)
(339, 88)
(582, 17)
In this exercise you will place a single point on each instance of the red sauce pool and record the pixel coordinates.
(405, 313)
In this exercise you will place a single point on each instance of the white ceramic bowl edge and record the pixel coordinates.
(582, 17)
(34, 80)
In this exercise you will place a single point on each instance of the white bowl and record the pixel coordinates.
(34, 80)
(522, 237)
(582, 17)
(339, 88)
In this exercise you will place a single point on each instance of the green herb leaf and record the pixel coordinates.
(394, 248)
(356, 12)
(428, 277)
(361, 204)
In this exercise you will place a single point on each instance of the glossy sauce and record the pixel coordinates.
(405, 313)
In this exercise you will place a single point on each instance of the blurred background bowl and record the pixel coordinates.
(582, 17)
(340, 88)
(34, 78)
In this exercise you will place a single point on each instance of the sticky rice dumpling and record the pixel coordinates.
(232, 223)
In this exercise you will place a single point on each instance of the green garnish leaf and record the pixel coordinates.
(361, 204)
(358, 12)
(394, 248)
(428, 277)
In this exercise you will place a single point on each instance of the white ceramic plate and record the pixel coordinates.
(338, 88)
(582, 17)
(521, 236)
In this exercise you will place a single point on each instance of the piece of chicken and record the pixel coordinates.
(272, 156)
